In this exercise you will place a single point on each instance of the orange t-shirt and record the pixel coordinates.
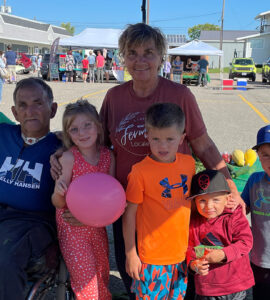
(162, 220)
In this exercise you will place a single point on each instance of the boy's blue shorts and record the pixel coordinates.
(161, 282)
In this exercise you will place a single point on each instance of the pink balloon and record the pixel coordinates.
(96, 199)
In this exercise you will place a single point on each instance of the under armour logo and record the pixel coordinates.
(167, 192)
(261, 199)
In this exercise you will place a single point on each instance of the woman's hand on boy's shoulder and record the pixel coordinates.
(234, 198)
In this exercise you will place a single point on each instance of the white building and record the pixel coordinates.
(28, 36)
(231, 46)
(257, 45)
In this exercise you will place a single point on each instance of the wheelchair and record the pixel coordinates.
(48, 278)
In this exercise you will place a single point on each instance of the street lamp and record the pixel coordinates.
(143, 11)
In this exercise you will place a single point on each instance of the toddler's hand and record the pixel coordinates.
(61, 188)
(215, 256)
(133, 266)
(200, 266)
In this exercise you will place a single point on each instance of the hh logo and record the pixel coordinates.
(20, 172)
(168, 187)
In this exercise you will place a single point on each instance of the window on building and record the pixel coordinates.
(256, 43)
(20, 48)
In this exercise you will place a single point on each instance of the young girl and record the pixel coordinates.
(84, 248)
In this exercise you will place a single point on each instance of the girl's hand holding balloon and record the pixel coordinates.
(69, 218)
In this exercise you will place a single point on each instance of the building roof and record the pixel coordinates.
(252, 36)
(262, 14)
(14, 20)
(228, 35)
(19, 21)
(60, 30)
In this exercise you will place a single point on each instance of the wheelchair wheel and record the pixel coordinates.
(63, 290)
(43, 289)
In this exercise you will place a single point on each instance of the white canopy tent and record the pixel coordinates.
(93, 38)
(196, 47)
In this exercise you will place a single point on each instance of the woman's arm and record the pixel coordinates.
(112, 166)
(209, 155)
(62, 183)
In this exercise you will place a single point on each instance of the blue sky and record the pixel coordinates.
(171, 16)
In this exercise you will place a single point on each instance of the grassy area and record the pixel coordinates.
(259, 70)
(227, 70)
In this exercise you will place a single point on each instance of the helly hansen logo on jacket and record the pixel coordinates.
(20, 173)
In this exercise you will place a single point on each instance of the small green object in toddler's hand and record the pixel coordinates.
(200, 250)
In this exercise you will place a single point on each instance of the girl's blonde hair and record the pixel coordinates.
(72, 110)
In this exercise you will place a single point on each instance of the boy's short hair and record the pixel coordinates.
(263, 137)
(164, 115)
(207, 182)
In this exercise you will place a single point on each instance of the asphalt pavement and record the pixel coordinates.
(232, 118)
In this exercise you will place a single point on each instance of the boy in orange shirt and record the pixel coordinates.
(158, 210)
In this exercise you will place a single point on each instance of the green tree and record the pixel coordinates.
(68, 27)
(195, 31)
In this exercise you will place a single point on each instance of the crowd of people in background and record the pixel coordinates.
(97, 65)
(174, 69)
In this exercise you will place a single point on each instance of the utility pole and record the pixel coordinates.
(147, 11)
(221, 32)
(143, 11)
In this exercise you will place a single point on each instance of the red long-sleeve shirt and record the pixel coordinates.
(231, 231)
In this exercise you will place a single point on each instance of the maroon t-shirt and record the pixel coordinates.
(122, 114)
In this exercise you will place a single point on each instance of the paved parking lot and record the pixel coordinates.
(232, 117)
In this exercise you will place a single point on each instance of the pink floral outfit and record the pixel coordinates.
(85, 248)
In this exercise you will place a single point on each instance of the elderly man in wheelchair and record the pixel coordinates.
(27, 221)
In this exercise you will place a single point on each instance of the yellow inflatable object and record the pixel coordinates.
(238, 157)
(250, 157)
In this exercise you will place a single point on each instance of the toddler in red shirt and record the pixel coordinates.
(219, 241)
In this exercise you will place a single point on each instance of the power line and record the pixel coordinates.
(186, 17)
(124, 23)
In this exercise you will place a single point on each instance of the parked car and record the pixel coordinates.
(24, 61)
(266, 71)
(243, 67)
(60, 60)
(44, 69)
